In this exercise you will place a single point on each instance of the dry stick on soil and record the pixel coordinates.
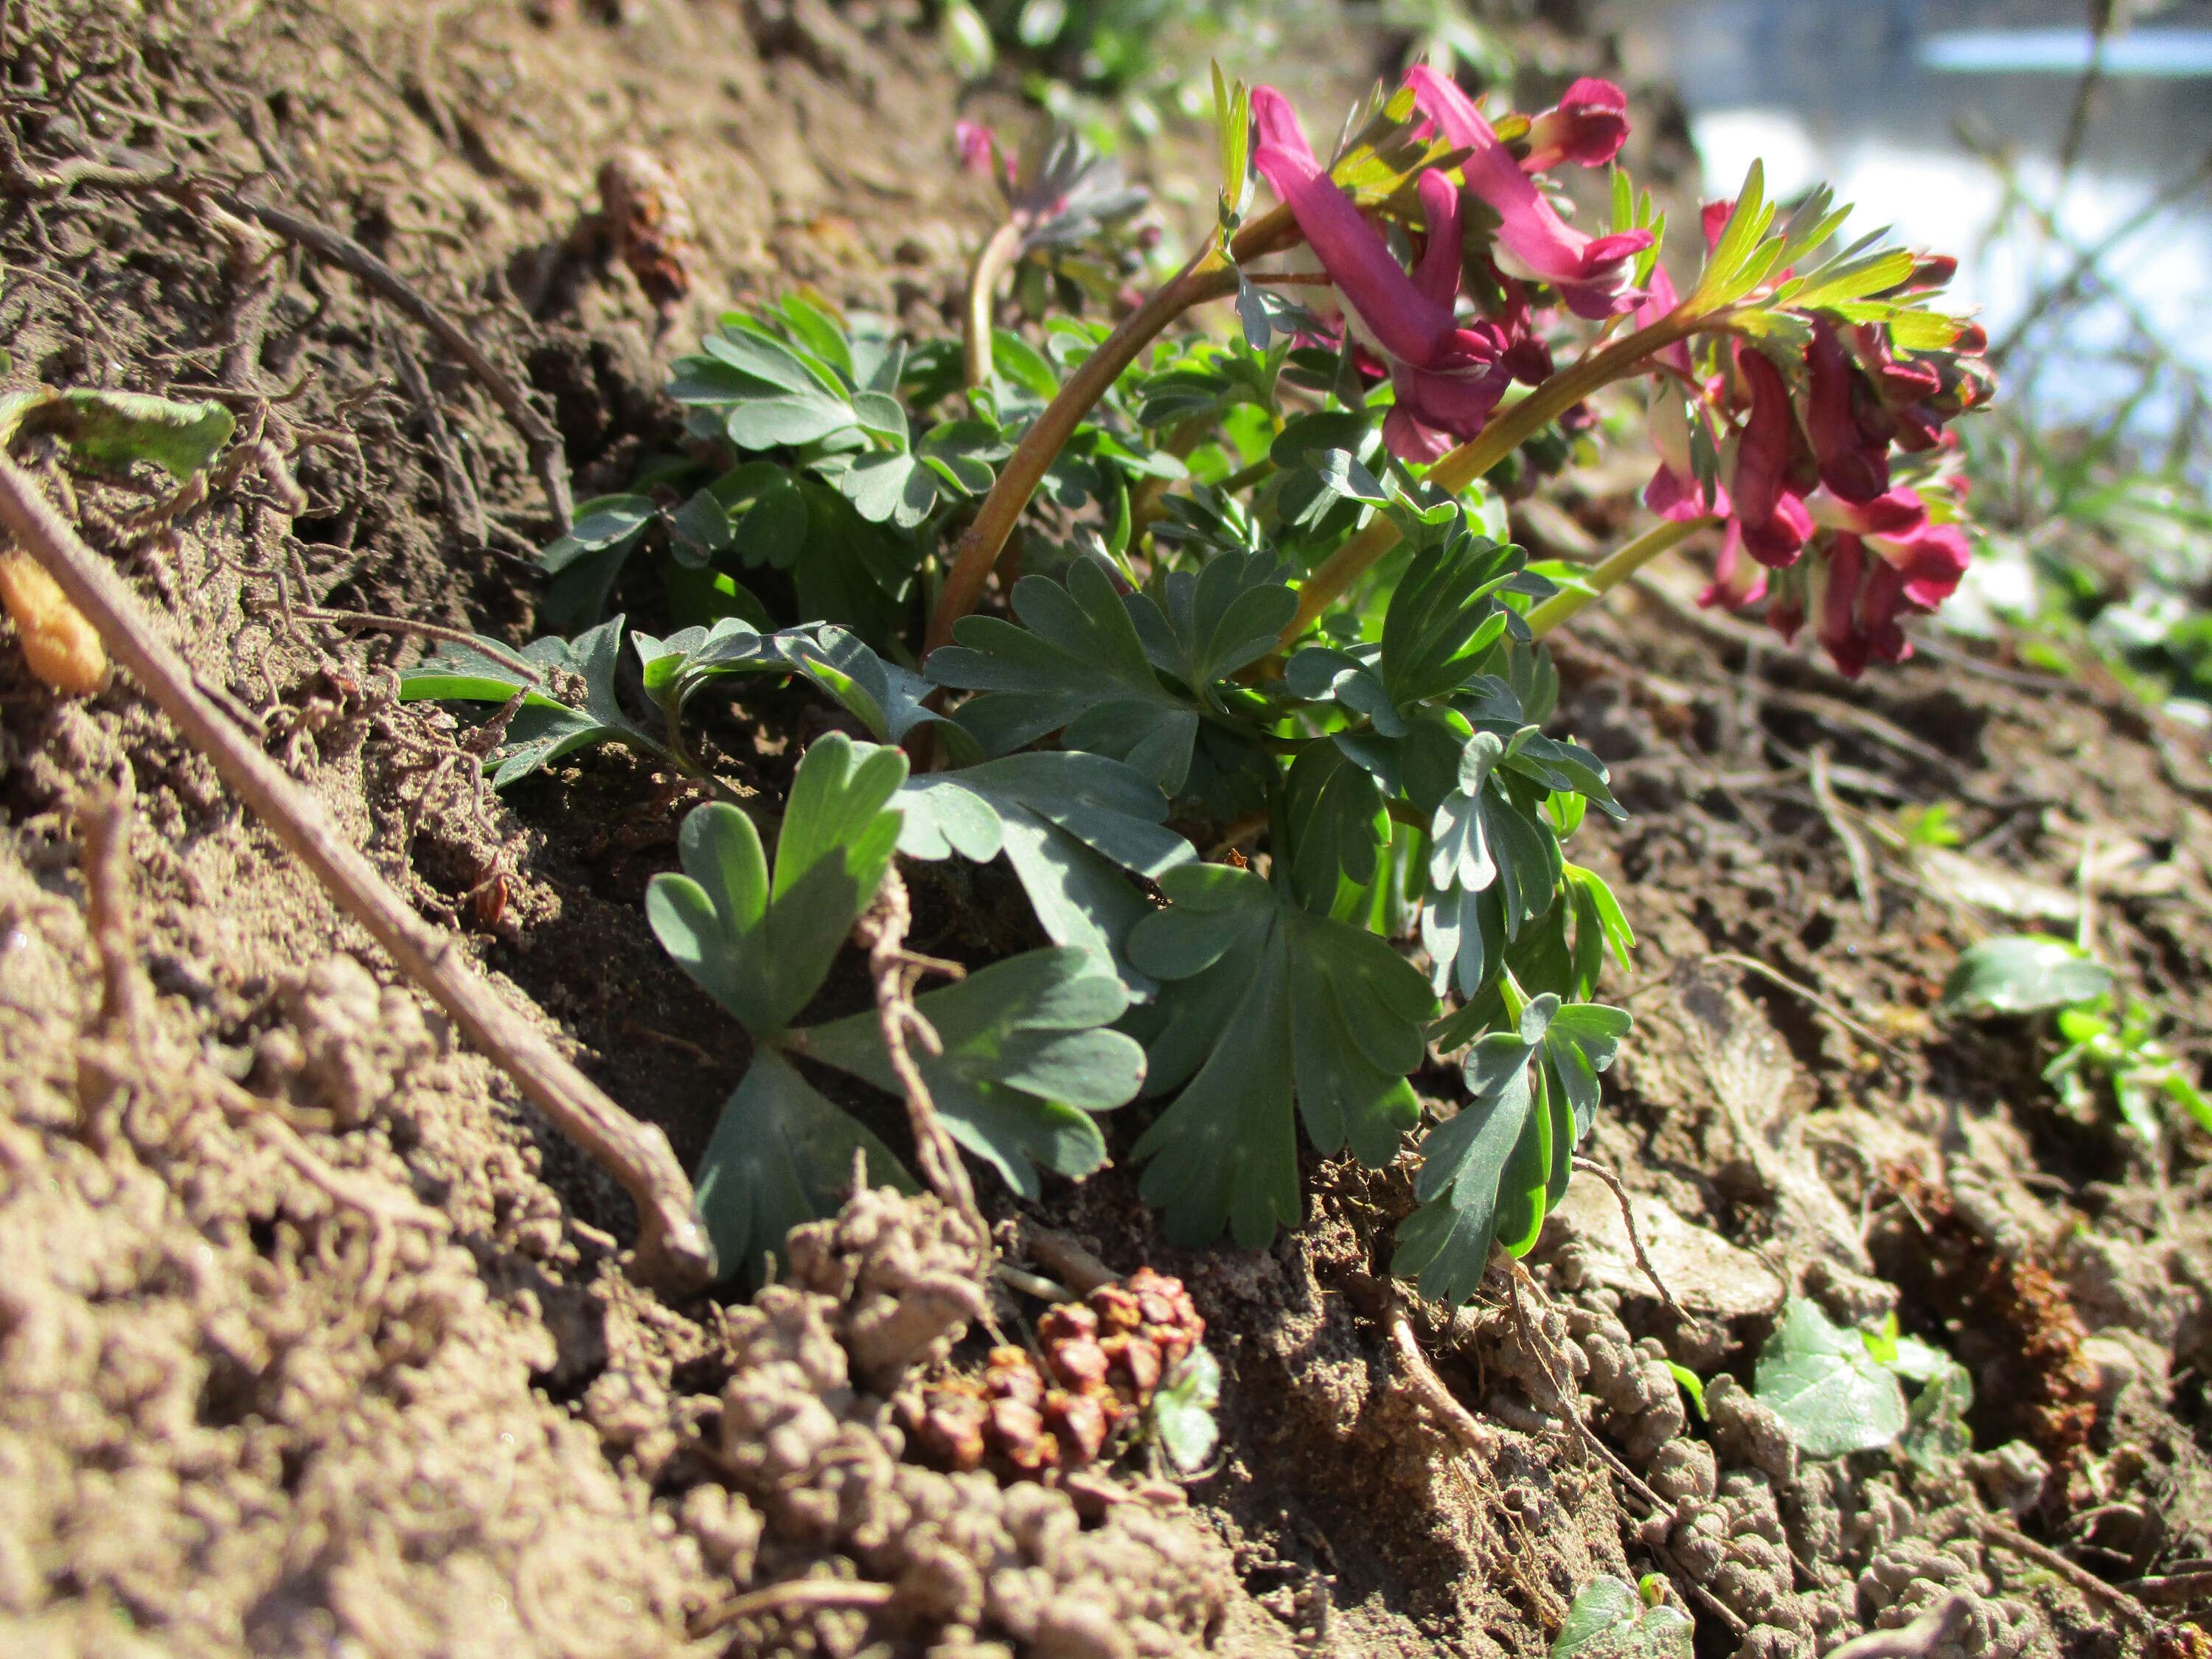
(1425, 1386)
(1855, 849)
(2174, 1590)
(1047, 1247)
(1591, 1166)
(1776, 976)
(1518, 1276)
(672, 1247)
(896, 970)
(1917, 1640)
(139, 171)
(482, 647)
(2110, 1595)
(106, 824)
(793, 1596)
(464, 508)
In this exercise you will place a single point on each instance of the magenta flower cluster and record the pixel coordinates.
(1447, 376)
(1812, 524)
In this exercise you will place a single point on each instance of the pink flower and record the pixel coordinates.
(1879, 561)
(1590, 274)
(1774, 519)
(1447, 379)
(977, 144)
(1737, 582)
(1587, 126)
(1843, 417)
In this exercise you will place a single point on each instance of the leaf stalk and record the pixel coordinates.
(1616, 567)
(1455, 472)
(1209, 276)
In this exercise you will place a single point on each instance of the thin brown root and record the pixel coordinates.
(1425, 1386)
(895, 971)
(793, 1596)
(1690, 1589)
(1591, 1166)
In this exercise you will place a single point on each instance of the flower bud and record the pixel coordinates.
(1587, 126)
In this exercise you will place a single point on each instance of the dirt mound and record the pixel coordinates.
(314, 1336)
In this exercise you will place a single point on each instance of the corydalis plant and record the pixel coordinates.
(1377, 781)
(1262, 720)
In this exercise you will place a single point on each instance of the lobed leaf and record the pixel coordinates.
(1266, 1006)
(1025, 1061)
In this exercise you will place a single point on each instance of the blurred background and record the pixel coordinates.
(2062, 149)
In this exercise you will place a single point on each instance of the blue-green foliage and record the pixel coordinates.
(1130, 710)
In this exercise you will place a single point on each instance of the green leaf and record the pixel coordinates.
(1025, 1062)
(1337, 825)
(762, 948)
(585, 562)
(887, 699)
(1446, 614)
(787, 420)
(1610, 1619)
(113, 428)
(547, 725)
(1492, 1172)
(1265, 1006)
(1829, 1392)
(1480, 834)
(674, 669)
(781, 1156)
(1209, 625)
(2021, 974)
(890, 487)
(1182, 1411)
(1691, 1384)
(747, 348)
(1077, 665)
(1068, 823)
(1935, 1431)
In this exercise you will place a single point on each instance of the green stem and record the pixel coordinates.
(997, 258)
(1505, 432)
(1208, 276)
(1615, 569)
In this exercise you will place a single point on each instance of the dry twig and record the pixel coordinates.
(1855, 848)
(1082, 1271)
(895, 971)
(672, 1247)
(1591, 1166)
(547, 457)
(2109, 1595)
(793, 1596)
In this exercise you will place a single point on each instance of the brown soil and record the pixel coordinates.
(314, 1338)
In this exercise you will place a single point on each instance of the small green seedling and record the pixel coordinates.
(1613, 1618)
(1837, 1390)
(2108, 1034)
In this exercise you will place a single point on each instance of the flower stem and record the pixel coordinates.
(1208, 276)
(1615, 569)
(1504, 434)
(997, 257)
